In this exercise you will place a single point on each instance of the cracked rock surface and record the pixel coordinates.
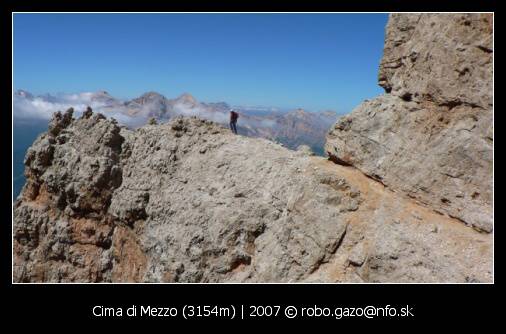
(430, 136)
(188, 201)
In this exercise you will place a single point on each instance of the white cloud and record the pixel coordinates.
(27, 107)
(43, 107)
(215, 116)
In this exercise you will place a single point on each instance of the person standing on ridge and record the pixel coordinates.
(233, 121)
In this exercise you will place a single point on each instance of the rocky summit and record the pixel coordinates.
(404, 197)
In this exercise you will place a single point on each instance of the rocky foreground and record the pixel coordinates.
(188, 201)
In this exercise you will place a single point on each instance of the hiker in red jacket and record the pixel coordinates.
(233, 120)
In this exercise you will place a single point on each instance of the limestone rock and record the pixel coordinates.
(442, 58)
(187, 201)
(430, 136)
(305, 149)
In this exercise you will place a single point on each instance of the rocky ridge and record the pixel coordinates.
(292, 128)
(188, 201)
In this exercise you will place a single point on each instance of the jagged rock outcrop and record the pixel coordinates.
(431, 135)
(61, 226)
(188, 201)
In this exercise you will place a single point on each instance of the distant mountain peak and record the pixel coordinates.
(152, 94)
(23, 93)
(299, 112)
(187, 98)
(328, 113)
(103, 96)
(149, 97)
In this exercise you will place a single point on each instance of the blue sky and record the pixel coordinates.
(314, 61)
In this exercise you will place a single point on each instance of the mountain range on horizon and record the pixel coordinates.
(289, 127)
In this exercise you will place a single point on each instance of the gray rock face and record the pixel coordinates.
(442, 58)
(72, 171)
(188, 201)
(431, 135)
